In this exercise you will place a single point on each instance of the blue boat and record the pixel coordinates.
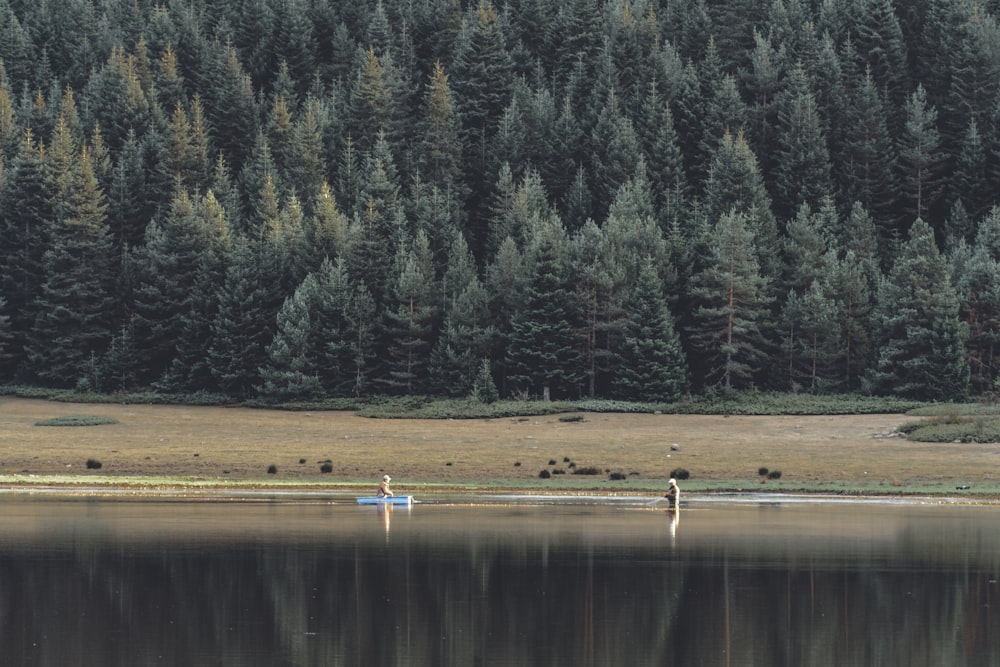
(387, 500)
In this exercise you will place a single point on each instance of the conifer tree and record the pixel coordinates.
(920, 341)
(544, 354)
(328, 232)
(482, 79)
(25, 215)
(441, 147)
(411, 320)
(73, 320)
(616, 154)
(331, 336)
(291, 369)
(242, 327)
(867, 165)
(370, 104)
(464, 340)
(364, 331)
(976, 268)
(802, 164)
(652, 363)
(190, 368)
(731, 309)
(921, 160)
(736, 184)
(166, 269)
(599, 283)
(506, 285)
(971, 181)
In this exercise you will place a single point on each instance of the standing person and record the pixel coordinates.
(673, 494)
(383, 488)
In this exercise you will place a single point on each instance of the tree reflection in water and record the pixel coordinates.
(310, 583)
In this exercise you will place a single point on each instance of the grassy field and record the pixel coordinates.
(155, 447)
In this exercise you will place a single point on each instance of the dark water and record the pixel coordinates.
(570, 582)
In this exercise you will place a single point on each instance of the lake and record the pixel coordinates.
(316, 580)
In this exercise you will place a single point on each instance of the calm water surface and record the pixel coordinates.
(303, 581)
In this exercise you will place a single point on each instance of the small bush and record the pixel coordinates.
(558, 471)
(589, 470)
(301, 461)
(762, 471)
(617, 475)
(545, 474)
(517, 464)
(571, 418)
(774, 474)
(326, 466)
(272, 469)
(552, 462)
(93, 464)
(679, 473)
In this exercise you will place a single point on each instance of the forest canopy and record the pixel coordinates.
(295, 199)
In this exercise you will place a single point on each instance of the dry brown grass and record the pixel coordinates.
(236, 445)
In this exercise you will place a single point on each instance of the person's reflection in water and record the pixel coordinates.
(675, 520)
(384, 511)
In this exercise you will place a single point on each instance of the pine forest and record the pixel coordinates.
(622, 199)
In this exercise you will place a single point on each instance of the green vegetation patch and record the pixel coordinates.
(953, 427)
(462, 409)
(77, 420)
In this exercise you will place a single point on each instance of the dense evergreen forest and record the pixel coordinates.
(294, 199)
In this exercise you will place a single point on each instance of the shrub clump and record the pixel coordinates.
(77, 420)
(326, 466)
(544, 474)
(774, 474)
(617, 475)
(272, 469)
(587, 470)
(680, 473)
(93, 464)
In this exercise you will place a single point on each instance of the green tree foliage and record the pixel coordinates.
(730, 318)
(920, 157)
(802, 169)
(652, 363)
(26, 214)
(976, 269)
(544, 357)
(243, 325)
(73, 319)
(920, 341)
(326, 136)
(411, 320)
(291, 371)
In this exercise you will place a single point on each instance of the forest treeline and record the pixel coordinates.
(627, 199)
